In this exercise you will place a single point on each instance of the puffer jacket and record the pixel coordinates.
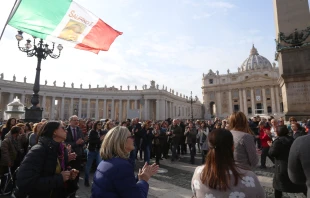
(9, 151)
(36, 176)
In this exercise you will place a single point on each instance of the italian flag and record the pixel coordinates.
(65, 22)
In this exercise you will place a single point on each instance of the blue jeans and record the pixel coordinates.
(91, 156)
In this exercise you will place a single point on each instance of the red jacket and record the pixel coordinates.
(264, 138)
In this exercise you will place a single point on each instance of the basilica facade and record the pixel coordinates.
(254, 89)
(60, 102)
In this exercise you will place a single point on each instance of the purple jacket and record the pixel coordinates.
(114, 178)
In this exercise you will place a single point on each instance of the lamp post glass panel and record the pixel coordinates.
(41, 51)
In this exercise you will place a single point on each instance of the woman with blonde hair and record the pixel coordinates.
(244, 144)
(114, 177)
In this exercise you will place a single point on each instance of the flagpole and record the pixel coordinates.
(13, 10)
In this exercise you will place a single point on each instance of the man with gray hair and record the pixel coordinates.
(75, 139)
(175, 133)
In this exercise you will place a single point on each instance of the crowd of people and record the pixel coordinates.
(48, 157)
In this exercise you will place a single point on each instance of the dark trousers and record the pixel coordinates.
(138, 147)
(192, 149)
(258, 143)
(166, 149)
(174, 146)
(203, 156)
(264, 156)
(157, 150)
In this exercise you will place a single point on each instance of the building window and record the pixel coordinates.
(257, 92)
(234, 79)
(246, 77)
(249, 110)
(267, 91)
(235, 94)
(248, 94)
(266, 74)
(268, 98)
(281, 107)
(210, 81)
(236, 108)
(223, 80)
(269, 110)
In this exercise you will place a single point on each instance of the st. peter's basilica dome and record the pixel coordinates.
(255, 61)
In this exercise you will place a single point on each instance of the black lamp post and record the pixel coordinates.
(191, 100)
(41, 51)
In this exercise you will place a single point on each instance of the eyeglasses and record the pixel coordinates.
(131, 137)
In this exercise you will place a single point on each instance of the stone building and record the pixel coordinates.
(150, 102)
(254, 89)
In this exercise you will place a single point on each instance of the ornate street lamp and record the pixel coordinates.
(41, 51)
(191, 100)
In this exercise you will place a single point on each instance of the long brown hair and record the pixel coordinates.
(239, 122)
(220, 161)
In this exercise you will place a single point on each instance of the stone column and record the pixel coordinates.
(11, 97)
(88, 108)
(62, 110)
(136, 104)
(145, 109)
(105, 109)
(273, 104)
(245, 102)
(43, 105)
(278, 100)
(52, 117)
(80, 108)
(172, 110)
(96, 110)
(158, 101)
(218, 104)
(71, 108)
(240, 101)
(264, 100)
(112, 110)
(127, 108)
(22, 100)
(252, 101)
(120, 111)
(230, 110)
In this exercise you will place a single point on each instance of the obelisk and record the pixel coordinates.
(292, 21)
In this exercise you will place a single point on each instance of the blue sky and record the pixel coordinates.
(170, 41)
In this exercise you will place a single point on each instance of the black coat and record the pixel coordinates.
(280, 151)
(36, 175)
(94, 142)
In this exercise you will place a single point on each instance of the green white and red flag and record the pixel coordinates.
(65, 22)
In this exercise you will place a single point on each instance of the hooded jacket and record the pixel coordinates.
(280, 151)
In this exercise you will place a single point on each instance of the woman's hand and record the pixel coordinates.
(269, 143)
(73, 174)
(147, 171)
(65, 175)
(71, 156)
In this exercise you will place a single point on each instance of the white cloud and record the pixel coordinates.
(202, 16)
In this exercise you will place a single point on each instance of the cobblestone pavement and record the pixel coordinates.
(182, 178)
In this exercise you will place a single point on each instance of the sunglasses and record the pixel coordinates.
(131, 137)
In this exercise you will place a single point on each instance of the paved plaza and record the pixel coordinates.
(175, 180)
